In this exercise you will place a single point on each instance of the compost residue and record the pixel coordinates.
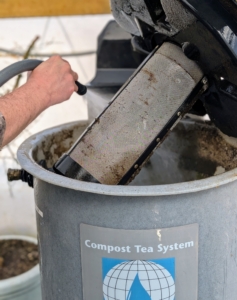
(214, 148)
(16, 257)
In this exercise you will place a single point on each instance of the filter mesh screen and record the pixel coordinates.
(134, 119)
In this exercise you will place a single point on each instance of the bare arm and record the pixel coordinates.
(51, 83)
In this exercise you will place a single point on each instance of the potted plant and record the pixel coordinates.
(19, 268)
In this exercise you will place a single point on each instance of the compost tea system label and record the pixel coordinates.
(157, 264)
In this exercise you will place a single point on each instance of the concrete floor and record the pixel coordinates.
(57, 35)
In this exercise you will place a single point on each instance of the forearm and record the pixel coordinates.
(20, 108)
(52, 82)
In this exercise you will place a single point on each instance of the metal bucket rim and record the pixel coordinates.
(27, 162)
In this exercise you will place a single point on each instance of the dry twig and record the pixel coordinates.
(26, 55)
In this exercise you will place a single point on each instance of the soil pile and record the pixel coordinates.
(16, 257)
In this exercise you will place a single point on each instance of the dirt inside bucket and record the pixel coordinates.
(211, 155)
(215, 149)
(17, 257)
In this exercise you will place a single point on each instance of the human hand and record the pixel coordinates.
(55, 80)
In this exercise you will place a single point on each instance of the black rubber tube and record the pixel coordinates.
(29, 65)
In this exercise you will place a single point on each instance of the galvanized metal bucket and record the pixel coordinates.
(87, 230)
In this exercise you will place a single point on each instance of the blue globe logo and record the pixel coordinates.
(137, 279)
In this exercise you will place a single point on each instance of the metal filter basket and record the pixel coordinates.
(176, 216)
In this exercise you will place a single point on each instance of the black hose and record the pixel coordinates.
(28, 65)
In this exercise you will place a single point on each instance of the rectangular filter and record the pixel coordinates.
(141, 114)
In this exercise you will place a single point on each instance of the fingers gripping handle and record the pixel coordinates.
(29, 65)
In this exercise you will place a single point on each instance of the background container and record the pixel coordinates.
(165, 194)
(25, 286)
